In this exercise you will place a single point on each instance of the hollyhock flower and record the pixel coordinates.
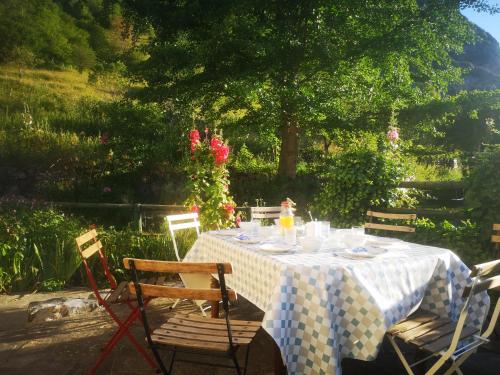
(221, 154)
(229, 208)
(195, 208)
(194, 135)
(392, 134)
(215, 143)
(238, 221)
(104, 139)
(107, 189)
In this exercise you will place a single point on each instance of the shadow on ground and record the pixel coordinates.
(71, 345)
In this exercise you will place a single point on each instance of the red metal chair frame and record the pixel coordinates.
(123, 325)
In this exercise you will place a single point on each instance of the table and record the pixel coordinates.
(321, 307)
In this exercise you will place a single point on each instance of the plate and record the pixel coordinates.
(243, 238)
(275, 247)
(363, 252)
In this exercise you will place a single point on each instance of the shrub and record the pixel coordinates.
(462, 238)
(355, 180)
(482, 191)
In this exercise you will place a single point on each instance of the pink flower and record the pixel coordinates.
(195, 208)
(107, 189)
(229, 208)
(238, 221)
(206, 130)
(392, 134)
(104, 139)
(215, 143)
(194, 135)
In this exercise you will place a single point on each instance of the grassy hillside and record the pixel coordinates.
(49, 94)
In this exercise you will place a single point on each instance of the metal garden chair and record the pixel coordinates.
(371, 225)
(192, 334)
(183, 222)
(443, 338)
(88, 245)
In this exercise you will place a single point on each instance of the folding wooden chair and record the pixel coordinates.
(197, 281)
(88, 245)
(192, 334)
(439, 336)
(370, 225)
(265, 212)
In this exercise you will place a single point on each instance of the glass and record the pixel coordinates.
(290, 236)
(324, 229)
(359, 231)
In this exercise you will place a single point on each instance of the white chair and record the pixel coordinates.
(190, 280)
(265, 212)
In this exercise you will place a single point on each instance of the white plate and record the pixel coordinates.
(275, 247)
(371, 252)
(247, 240)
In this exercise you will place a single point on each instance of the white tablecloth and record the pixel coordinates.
(321, 308)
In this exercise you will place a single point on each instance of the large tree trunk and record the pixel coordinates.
(289, 142)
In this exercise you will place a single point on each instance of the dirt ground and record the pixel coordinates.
(71, 345)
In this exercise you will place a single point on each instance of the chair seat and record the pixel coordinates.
(428, 331)
(122, 294)
(195, 332)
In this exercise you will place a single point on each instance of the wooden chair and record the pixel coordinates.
(495, 238)
(88, 245)
(370, 225)
(260, 213)
(182, 222)
(439, 336)
(192, 334)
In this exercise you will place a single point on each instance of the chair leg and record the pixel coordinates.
(455, 367)
(175, 303)
(202, 310)
(235, 361)
(400, 355)
(246, 360)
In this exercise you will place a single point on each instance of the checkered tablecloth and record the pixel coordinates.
(321, 308)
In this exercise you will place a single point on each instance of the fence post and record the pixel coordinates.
(138, 216)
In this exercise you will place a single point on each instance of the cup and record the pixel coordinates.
(324, 229)
(290, 236)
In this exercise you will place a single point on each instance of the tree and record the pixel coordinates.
(294, 65)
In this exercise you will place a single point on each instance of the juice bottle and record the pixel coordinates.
(286, 216)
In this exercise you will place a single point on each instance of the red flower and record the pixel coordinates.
(238, 221)
(229, 208)
(195, 208)
(215, 143)
(93, 226)
(104, 139)
(221, 154)
(194, 135)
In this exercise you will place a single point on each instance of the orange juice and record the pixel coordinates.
(286, 222)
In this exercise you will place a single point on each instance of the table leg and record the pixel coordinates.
(279, 367)
(214, 304)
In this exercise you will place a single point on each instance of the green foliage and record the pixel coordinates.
(44, 33)
(482, 190)
(37, 248)
(463, 238)
(356, 180)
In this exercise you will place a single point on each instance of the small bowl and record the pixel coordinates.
(355, 240)
(310, 244)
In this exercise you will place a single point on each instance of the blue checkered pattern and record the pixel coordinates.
(321, 308)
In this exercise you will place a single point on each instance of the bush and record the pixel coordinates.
(356, 180)
(482, 191)
(462, 238)
(37, 249)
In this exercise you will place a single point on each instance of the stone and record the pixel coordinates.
(58, 308)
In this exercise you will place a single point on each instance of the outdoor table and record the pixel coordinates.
(321, 307)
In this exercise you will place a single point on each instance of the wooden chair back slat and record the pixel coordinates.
(86, 237)
(397, 228)
(389, 227)
(495, 239)
(149, 290)
(492, 283)
(496, 227)
(265, 212)
(175, 267)
(486, 269)
(91, 250)
(387, 215)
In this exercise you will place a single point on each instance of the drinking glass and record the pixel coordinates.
(325, 229)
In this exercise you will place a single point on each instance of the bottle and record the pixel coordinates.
(286, 216)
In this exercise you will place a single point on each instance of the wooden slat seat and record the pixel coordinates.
(204, 333)
(428, 332)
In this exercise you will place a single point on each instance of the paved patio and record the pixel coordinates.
(71, 345)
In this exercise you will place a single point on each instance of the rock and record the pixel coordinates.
(57, 308)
